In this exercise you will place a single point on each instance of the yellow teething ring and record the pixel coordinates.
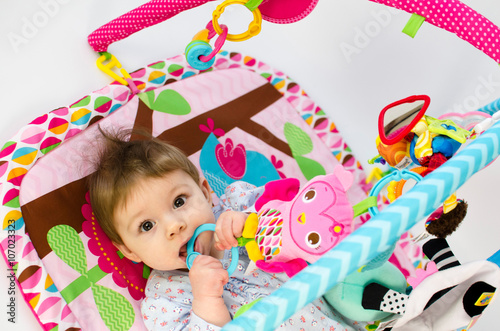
(253, 28)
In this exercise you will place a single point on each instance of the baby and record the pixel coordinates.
(149, 199)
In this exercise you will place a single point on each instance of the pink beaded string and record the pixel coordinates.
(456, 17)
(150, 13)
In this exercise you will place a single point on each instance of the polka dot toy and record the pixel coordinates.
(456, 17)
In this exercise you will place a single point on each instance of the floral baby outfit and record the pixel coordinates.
(168, 302)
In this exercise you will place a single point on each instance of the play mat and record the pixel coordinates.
(237, 119)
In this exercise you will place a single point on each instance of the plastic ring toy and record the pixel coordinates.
(253, 28)
(195, 50)
(399, 186)
(199, 53)
(191, 254)
(397, 176)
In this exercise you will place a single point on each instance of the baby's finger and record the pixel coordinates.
(228, 234)
(217, 244)
(239, 220)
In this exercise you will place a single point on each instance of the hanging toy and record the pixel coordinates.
(199, 53)
(407, 136)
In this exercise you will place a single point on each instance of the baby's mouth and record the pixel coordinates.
(183, 250)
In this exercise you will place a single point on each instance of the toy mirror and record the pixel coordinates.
(397, 119)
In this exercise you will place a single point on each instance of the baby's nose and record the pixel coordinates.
(175, 228)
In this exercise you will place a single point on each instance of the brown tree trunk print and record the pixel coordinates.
(236, 113)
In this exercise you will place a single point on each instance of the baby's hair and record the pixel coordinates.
(121, 162)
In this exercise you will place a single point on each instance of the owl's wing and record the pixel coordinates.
(283, 189)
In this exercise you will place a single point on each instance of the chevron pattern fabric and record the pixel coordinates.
(373, 238)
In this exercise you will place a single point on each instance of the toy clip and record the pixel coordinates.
(191, 254)
(199, 54)
(108, 67)
(253, 28)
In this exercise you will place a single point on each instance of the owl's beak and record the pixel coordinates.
(302, 218)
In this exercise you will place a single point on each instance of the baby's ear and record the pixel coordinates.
(205, 188)
(127, 252)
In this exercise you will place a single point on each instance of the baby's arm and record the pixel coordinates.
(207, 275)
(208, 278)
(169, 303)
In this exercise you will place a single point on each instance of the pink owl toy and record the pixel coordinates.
(296, 226)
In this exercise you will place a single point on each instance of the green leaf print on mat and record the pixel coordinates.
(115, 310)
(300, 144)
(167, 101)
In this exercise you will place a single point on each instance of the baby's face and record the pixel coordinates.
(160, 216)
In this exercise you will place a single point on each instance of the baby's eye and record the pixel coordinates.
(147, 226)
(179, 201)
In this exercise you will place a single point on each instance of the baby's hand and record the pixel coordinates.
(207, 277)
(229, 227)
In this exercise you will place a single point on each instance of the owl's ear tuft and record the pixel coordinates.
(345, 177)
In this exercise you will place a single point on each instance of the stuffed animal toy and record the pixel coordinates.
(296, 226)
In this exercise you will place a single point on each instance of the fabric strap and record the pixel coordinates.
(150, 13)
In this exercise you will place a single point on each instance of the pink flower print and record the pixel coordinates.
(234, 307)
(209, 128)
(125, 272)
(163, 323)
(180, 291)
(302, 319)
(234, 295)
(163, 310)
(168, 290)
(277, 164)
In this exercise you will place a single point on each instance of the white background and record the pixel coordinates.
(46, 63)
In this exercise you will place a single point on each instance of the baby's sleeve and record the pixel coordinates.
(240, 196)
(168, 304)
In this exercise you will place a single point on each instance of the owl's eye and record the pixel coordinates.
(313, 239)
(309, 195)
